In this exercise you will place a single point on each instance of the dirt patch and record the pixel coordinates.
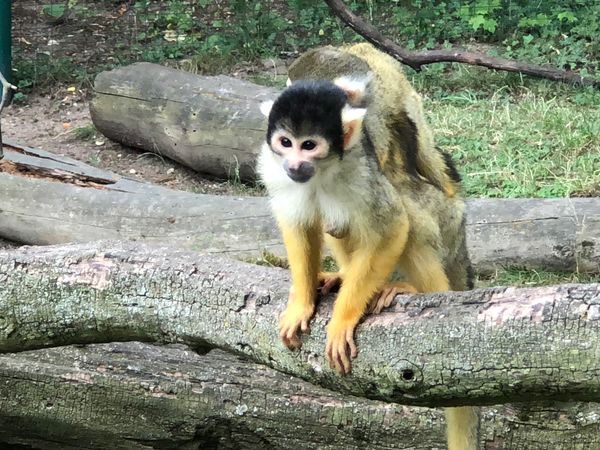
(51, 122)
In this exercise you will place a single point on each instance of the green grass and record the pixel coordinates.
(85, 132)
(513, 137)
(523, 277)
(504, 277)
(266, 258)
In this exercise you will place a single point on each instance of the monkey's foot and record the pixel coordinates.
(388, 293)
(329, 282)
(340, 347)
(294, 321)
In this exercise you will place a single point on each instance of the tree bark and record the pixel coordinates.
(138, 396)
(478, 347)
(211, 124)
(417, 60)
(561, 234)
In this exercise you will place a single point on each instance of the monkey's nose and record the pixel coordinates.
(300, 174)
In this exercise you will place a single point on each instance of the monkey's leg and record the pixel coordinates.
(303, 246)
(425, 271)
(388, 293)
(366, 273)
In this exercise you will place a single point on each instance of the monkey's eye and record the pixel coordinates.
(308, 145)
(285, 142)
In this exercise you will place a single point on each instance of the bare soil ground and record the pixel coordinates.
(49, 122)
(95, 35)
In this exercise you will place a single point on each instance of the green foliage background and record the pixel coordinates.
(561, 33)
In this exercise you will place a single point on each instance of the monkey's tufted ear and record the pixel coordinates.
(288, 82)
(354, 88)
(265, 107)
(352, 120)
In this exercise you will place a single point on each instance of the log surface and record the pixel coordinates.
(54, 199)
(211, 124)
(479, 347)
(137, 396)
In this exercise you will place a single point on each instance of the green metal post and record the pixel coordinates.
(5, 40)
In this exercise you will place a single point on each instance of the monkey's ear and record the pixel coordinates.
(265, 107)
(352, 120)
(288, 82)
(354, 88)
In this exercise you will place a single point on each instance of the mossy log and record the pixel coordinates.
(211, 124)
(479, 347)
(135, 396)
(50, 199)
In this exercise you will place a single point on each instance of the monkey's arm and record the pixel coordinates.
(365, 275)
(303, 247)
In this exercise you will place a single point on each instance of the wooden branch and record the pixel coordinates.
(417, 60)
(137, 396)
(478, 347)
(561, 234)
(211, 124)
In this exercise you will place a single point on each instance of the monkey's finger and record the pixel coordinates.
(344, 360)
(330, 355)
(351, 344)
(305, 327)
(293, 343)
(389, 298)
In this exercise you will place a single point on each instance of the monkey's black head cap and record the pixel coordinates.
(308, 108)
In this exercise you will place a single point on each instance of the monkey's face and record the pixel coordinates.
(310, 125)
(300, 155)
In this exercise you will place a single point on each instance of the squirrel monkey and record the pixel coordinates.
(337, 168)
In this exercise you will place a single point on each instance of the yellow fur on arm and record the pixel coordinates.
(303, 246)
(366, 273)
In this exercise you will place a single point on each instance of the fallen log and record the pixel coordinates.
(134, 396)
(138, 396)
(50, 199)
(211, 124)
(479, 347)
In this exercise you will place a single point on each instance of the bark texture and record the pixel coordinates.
(138, 396)
(479, 347)
(49, 199)
(211, 124)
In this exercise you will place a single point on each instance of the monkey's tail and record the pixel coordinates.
(462, 424)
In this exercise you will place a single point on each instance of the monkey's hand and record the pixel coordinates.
(341, 348)
(294, 320)
(388, 293)
(329, 282)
